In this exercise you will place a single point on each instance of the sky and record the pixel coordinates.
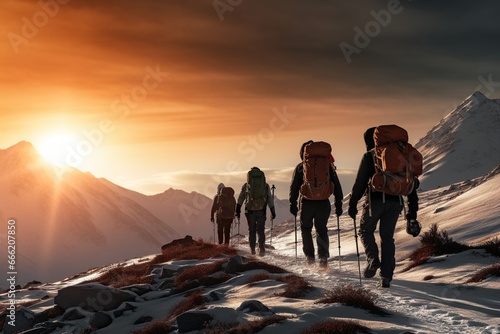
(184, 94)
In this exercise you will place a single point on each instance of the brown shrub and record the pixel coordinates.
(492, 246)
(297, 286)
(123, 276)
(254, 265)
(198, 272)
(259, 278)
(157, 327)
(337, 327)
(250, 327)
(434, 243)
(194, 300)
(493, 270)
(350, 295)
(198, 251)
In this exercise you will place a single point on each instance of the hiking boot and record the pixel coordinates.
(323, 262)
(262, 252)
(383, 283)
(252, 251)
(310, 260)
(371, 268)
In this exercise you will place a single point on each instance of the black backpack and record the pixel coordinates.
(226, 203)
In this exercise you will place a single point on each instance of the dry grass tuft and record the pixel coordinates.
(493, 270)
(124, 276)
(194, 300)
(337, 327)
(249, 327)
(297, 287)
(434, 243)
(259, 278)
(254, 265)
(157, 327)
(198, 251)
(198, 272)
(350, 295)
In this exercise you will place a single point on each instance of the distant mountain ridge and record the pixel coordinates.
(463, 145)
(76, 221)
(71, 223)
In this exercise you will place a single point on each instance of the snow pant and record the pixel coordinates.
(387, 213)
(315, 213)
(224, 229)
(256, 225)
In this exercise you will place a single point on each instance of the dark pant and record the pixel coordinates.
(256, 225)
(387, 213)
(224, 229)
(315, 213)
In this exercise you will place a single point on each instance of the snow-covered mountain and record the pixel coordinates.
(65, 225)
(464, 145)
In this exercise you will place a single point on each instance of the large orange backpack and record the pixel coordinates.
(316, 163)
(397, 163)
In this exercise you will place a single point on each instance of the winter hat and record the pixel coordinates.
(303, 147)
(368, 135)
(219, 187)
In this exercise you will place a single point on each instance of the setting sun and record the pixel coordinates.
(54, 147)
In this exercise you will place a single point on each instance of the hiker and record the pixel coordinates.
(315, 208)
(382, 207)
(224, 205)
(256, 194)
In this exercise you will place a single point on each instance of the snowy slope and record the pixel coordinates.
(464, 145)
(445, 303)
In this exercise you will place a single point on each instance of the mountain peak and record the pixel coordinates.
(464, 144)
(23, 149)
(478, 96)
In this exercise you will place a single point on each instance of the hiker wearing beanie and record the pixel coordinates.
(315, 180)
(378, 207)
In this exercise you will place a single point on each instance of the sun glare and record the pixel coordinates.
(54, 147)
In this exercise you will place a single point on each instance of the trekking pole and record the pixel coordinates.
(295, 237)
(338, 233)
(357, 250)
(272, 220)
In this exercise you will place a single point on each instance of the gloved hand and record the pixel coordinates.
(294, 209)
(273, 213)
(338, 210)
(238, 211)
(212, 219)
(413, 227)
(353, 211)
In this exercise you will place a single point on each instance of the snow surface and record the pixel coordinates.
(444, 304)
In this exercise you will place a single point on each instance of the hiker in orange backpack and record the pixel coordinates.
(383, 202)
(224, 205)
(315, 180)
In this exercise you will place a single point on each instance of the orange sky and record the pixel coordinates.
(159, 94)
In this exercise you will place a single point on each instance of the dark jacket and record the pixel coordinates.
(361, 187)
(298, 179)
